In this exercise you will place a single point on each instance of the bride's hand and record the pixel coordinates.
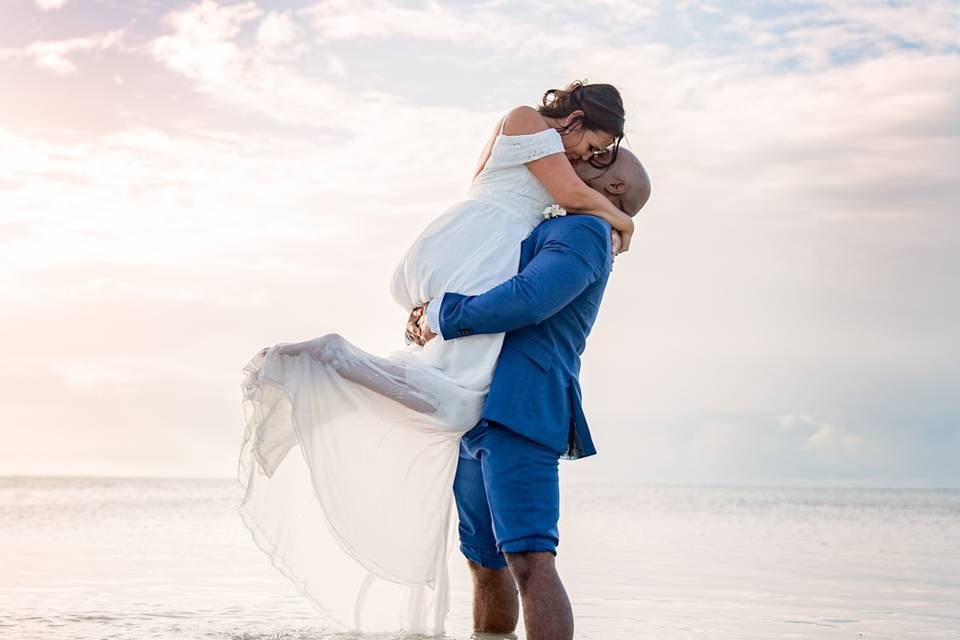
(616, 242)
(625, 230)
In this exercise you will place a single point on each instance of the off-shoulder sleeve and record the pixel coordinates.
(515, 150)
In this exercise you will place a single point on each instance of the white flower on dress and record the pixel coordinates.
(554, 211)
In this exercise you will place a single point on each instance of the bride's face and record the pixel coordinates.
(580, 144)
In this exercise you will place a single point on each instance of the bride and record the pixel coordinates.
(348, 458)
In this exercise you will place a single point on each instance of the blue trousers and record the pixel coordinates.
(507, 490)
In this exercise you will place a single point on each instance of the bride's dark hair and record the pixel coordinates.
(602, 109)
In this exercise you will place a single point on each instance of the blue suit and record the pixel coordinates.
(507, 485)
(547, 310)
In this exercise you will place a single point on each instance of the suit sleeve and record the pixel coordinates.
(565, 265)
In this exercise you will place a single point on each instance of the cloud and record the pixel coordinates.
(831, 440)
(349, 19)
(336, 66)
(204, 47)
(487, 27)
(822, 437)
(824, 34)
(87, 375)
(349, 135)
(276, 31)
(201, 46)
(50, 5)
(124, 288)
(792, 421)
(931, 25)
(55, 55)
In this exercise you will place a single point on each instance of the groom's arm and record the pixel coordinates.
(570, 260)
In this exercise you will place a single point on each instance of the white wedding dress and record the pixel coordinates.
(348, 459)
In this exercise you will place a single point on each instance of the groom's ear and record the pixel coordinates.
(616, 187)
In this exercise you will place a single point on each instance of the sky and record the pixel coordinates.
(184, 183)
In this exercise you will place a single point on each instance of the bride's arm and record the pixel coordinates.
(574, 195)
(564, 185)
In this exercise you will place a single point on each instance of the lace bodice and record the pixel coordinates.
(506, 180)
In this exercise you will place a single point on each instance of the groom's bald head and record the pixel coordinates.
(625, 183)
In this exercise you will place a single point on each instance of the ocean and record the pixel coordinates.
(165, 558)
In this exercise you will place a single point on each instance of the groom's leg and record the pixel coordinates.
(522, 481)
(496, 606)
(547, 613)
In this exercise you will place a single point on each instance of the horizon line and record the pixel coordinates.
(830, 484)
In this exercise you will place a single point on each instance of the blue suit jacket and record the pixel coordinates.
(547, 310)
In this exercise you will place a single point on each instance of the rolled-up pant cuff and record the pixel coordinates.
(532, 543)
(483, 557)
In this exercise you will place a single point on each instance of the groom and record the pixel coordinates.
(507, 482)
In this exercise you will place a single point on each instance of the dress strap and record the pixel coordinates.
(522, 148)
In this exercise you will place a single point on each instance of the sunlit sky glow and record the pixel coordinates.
(183, 183)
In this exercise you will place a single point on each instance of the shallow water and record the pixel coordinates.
(123, 558)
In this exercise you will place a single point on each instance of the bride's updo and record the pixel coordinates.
(601, 104)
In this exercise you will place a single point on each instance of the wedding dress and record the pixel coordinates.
(348, 459)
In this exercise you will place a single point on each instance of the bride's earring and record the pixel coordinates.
(570, 126)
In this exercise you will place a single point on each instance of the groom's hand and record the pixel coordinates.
(413, 326)
(426, 334)
(616, 244)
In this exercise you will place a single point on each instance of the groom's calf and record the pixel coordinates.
(495, 604)
(546, 607)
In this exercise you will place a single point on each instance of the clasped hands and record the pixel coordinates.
(616, 243)
(418, 329)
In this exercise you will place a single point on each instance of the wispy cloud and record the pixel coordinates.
(203, 45)
(54, 55)
(50, 5)
(277, 31)
(91, 375)
(344, 19)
